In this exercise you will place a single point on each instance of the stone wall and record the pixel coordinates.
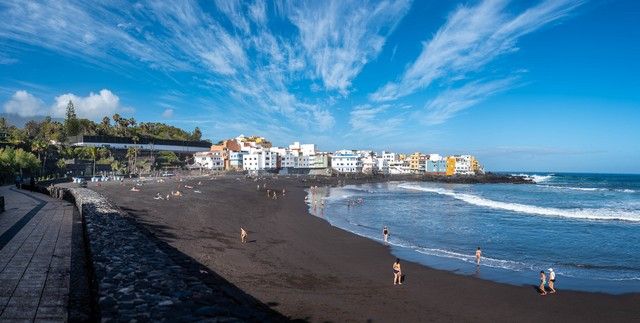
(137, 279)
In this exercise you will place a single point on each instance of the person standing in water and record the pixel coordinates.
(552, 280)
(243, 235)
(478, 256)
(385, 234)
(543, 280)
(397, 272)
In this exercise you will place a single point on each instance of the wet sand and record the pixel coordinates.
(306, 269)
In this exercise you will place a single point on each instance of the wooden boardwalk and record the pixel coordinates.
(35, 257)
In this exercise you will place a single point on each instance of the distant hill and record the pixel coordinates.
(19, 121)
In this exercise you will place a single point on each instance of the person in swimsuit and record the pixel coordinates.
(478, 255)
(243, 235)
(543, 280)
(397, 272)
(552, 280)
(385, 233)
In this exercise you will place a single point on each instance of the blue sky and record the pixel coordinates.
(547, 85)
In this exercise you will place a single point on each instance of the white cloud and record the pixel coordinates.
(24, 104)
(258, 12)
(372, 120)
(471, 38)
(340, 37)
(94, 106)
(167, 113)
(233, 10)
(448, 103)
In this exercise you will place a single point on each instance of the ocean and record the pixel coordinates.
(584, 226)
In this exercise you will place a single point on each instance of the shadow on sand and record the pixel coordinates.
(160, 234)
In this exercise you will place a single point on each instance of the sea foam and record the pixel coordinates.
(536, 178)
(586, 213)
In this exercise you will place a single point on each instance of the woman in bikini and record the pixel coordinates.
(397, 272)
(543, 281)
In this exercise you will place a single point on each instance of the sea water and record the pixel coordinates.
(584, 226)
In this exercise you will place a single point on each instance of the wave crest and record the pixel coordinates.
(590, 214)
(536, 178)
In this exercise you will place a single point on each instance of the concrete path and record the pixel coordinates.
(35, 257)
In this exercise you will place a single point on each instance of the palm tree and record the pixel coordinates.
(91, 152)
(131, 152)
(40, 148)
(61, 165)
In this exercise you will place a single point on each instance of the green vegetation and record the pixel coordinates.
(14, 161)
(39, 148)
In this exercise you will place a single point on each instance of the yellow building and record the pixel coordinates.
(476, 167)
(414, 162)
(451, 165)
(256, 139)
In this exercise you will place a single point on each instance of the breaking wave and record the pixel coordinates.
(536, 178)
(587, 213)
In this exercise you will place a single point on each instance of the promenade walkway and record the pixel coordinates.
(35, 257)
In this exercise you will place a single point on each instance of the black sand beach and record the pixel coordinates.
(306, 269)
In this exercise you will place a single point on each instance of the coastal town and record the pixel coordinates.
(46, 150)
(256, 155)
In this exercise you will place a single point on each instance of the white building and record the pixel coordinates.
(463, 165)
(304, 149)
(235, 160)
(370, 164)
(209, 160)
(346, 161)
(260, 160)
(289, 160)
(399, 167)
(383, 165)
(390, 157)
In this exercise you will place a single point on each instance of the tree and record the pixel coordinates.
(131, 153)
(197, 134)
(33, 129)
(24, 160)
(166, 158)
(104, 152)
(68, 152)
(91, 153)
(71, 123)
(61, 165)
(105, 126)
(3, 124)
(40, 147)
(117, 167)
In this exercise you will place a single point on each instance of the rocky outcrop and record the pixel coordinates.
(135, 279)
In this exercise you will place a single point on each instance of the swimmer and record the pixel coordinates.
(478, 255)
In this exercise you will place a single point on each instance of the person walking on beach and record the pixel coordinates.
(478, 255)
(552, 280)
(543, 280)
(243, 235)
(385, 233)
(397, 272)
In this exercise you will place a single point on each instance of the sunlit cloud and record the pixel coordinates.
(471, 38)
(340, 37)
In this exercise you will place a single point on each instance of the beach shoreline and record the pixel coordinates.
(307, 269)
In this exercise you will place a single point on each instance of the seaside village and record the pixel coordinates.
(257, 155)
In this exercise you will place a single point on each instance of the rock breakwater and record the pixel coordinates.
(136, 278)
